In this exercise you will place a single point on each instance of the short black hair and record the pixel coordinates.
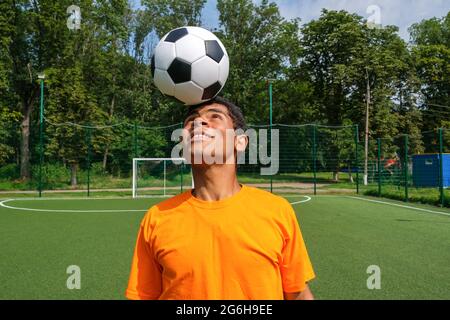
(234, 111)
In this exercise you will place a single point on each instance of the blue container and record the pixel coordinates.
(426, 170)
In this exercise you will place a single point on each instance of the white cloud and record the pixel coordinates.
(401, 13)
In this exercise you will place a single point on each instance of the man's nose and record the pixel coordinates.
(199, 122)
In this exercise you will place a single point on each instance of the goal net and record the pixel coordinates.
(160, 177)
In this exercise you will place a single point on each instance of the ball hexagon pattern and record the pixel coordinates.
(190, 64)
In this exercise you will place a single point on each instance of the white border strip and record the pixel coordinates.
(401, 206)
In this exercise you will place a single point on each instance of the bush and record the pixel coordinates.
(54, 175)
(97, 169)
(9, 172)
(425, 196)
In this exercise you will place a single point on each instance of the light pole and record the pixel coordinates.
(269, 82)
(41, 77)
(366, 136)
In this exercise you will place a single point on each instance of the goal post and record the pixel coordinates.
(160, 177)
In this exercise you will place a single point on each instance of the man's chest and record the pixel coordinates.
(195, 244)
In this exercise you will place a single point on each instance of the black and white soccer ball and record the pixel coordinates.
(190, 64)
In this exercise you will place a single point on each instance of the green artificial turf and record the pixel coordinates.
(343, 235)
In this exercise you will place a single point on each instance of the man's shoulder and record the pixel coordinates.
(266, 197)
(171, 203)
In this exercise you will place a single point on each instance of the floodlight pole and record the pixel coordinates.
(366, 138)
(270, 104)
(269, 81)
(41, 76)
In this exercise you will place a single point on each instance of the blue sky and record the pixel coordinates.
(401, 13)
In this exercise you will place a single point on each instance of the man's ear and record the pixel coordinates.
(241, 142)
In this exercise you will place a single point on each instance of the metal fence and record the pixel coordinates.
(412, 168)
(313, 159)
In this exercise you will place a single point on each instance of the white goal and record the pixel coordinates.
(160, 177)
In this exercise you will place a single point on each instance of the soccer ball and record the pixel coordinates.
(190, 64)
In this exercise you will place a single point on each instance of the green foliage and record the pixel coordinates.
(8, 127)
(431, 54)
(261, 45)
(99, 76)
(6, 33)
(425, 196)
(9, 172)
(169, 14)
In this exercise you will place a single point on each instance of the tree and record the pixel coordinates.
(8, 125)
(261, 45)
(431, 53)
(170, 14)
(355, 71)
(6, 34)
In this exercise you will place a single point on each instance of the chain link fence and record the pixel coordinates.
(313, 159)
(409, 168)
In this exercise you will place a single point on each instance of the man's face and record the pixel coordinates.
(210, 133)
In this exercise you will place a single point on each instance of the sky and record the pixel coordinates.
(402, 13)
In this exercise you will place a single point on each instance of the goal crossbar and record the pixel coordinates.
(135, 171)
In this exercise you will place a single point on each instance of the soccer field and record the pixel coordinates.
(345, 235)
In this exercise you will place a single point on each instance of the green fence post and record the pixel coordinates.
(441, 171)
(405, 168)
(88, 138)
(135, 147)
(41, 136)
(379, 166)
(356, 157)
(315, 157)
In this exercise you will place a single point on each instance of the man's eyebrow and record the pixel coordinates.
(196, 113)
(217, 110)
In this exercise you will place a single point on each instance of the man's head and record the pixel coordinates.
(212, 128)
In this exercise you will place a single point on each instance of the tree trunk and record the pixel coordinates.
(25, 172)
(73, 174)
(350, 173)
(25, 148)
(27, 109)
(105, 158)
(336, 176)
(111, 112)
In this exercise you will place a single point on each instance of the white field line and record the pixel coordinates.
(3, 204)
(401, 206)
(86, 198)
(301, 201)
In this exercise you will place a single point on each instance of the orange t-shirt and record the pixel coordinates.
(247, 246)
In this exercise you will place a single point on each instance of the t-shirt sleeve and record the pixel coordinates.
(296, 268)
(145, 276)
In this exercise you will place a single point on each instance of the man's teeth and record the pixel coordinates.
(201, 136)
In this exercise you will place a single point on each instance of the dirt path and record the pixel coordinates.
(282, 187)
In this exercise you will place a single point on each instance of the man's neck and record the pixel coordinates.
(215, 182)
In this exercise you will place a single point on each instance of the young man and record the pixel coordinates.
(220, 240)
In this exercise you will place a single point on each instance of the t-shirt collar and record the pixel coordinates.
(235, 198)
